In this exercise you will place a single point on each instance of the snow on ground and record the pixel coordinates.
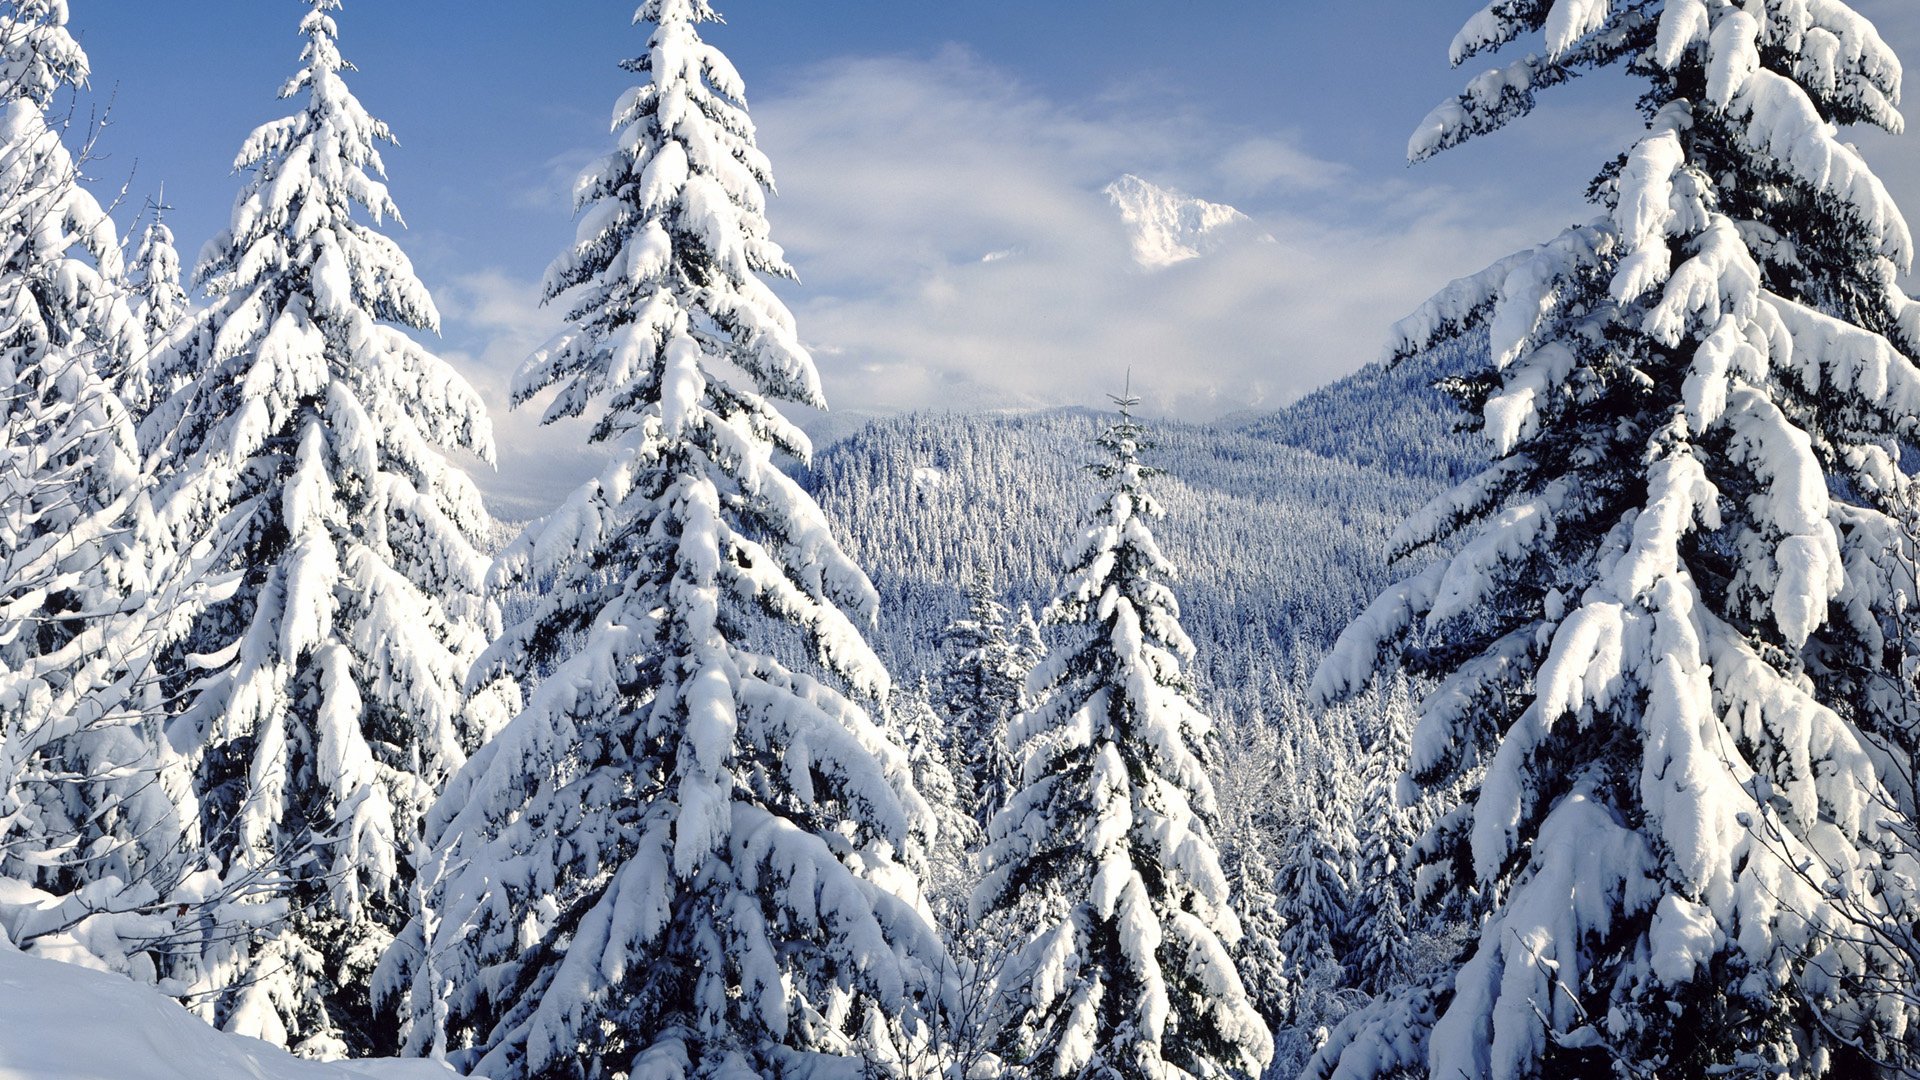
(60, 1022)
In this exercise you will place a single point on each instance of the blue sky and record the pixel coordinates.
(911, 140)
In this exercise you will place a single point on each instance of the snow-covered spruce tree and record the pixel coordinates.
(1127, 972)
(1380, 934)
(945, 865)
(1315, 897)
(1664, 602)
(159, 305)
(682, 858)
(322, 698)
(1254, 785)
(980, 691)
(1029, 647)
(90, 836)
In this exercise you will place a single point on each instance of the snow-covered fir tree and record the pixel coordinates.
(1127, 970)
(1315, 896)
(322, 695)
(1660, 618)
(683, 858)
(980, 691)
(1029, 646)
(1382, 938)
(159, 304)
(945, 866)
(1254, 788)
(91, 835)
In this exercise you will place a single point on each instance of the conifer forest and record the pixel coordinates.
(1532, 693)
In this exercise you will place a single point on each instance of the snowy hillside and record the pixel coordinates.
(1168, 227)
(57, 1020)
(1279, 524)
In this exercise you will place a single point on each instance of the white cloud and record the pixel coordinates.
(1263, 163)
(493, 323)
(957, 250)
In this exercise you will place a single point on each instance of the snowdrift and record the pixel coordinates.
(60, 1022)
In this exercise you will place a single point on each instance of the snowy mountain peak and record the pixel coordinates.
(1169, 227)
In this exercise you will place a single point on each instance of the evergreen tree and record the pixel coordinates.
(159, 305)
(1379, 933)
(322, 695)
(981, 689)
(90, 833)
(945, 866)
(683, 858)
(1657, 614)
(1315, 887)
(1129, 971)
(1254, 784)
(1029, 648)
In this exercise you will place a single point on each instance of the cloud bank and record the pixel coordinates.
(958, 251)
(957, 248)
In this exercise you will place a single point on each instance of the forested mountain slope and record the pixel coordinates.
(1279, 524)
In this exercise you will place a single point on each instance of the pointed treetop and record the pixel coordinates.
(676, 11)
(1127, 400)
(311, 168)
(665, 273)
(158, 300)
(333, 106)
(1124, 441)
(323, 51)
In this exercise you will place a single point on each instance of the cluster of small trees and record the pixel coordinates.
(268, 746)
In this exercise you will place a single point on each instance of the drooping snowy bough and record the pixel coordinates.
(322, 694)
(1667, 620)
(683, 858)
(91, 834)
(1106, 848)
